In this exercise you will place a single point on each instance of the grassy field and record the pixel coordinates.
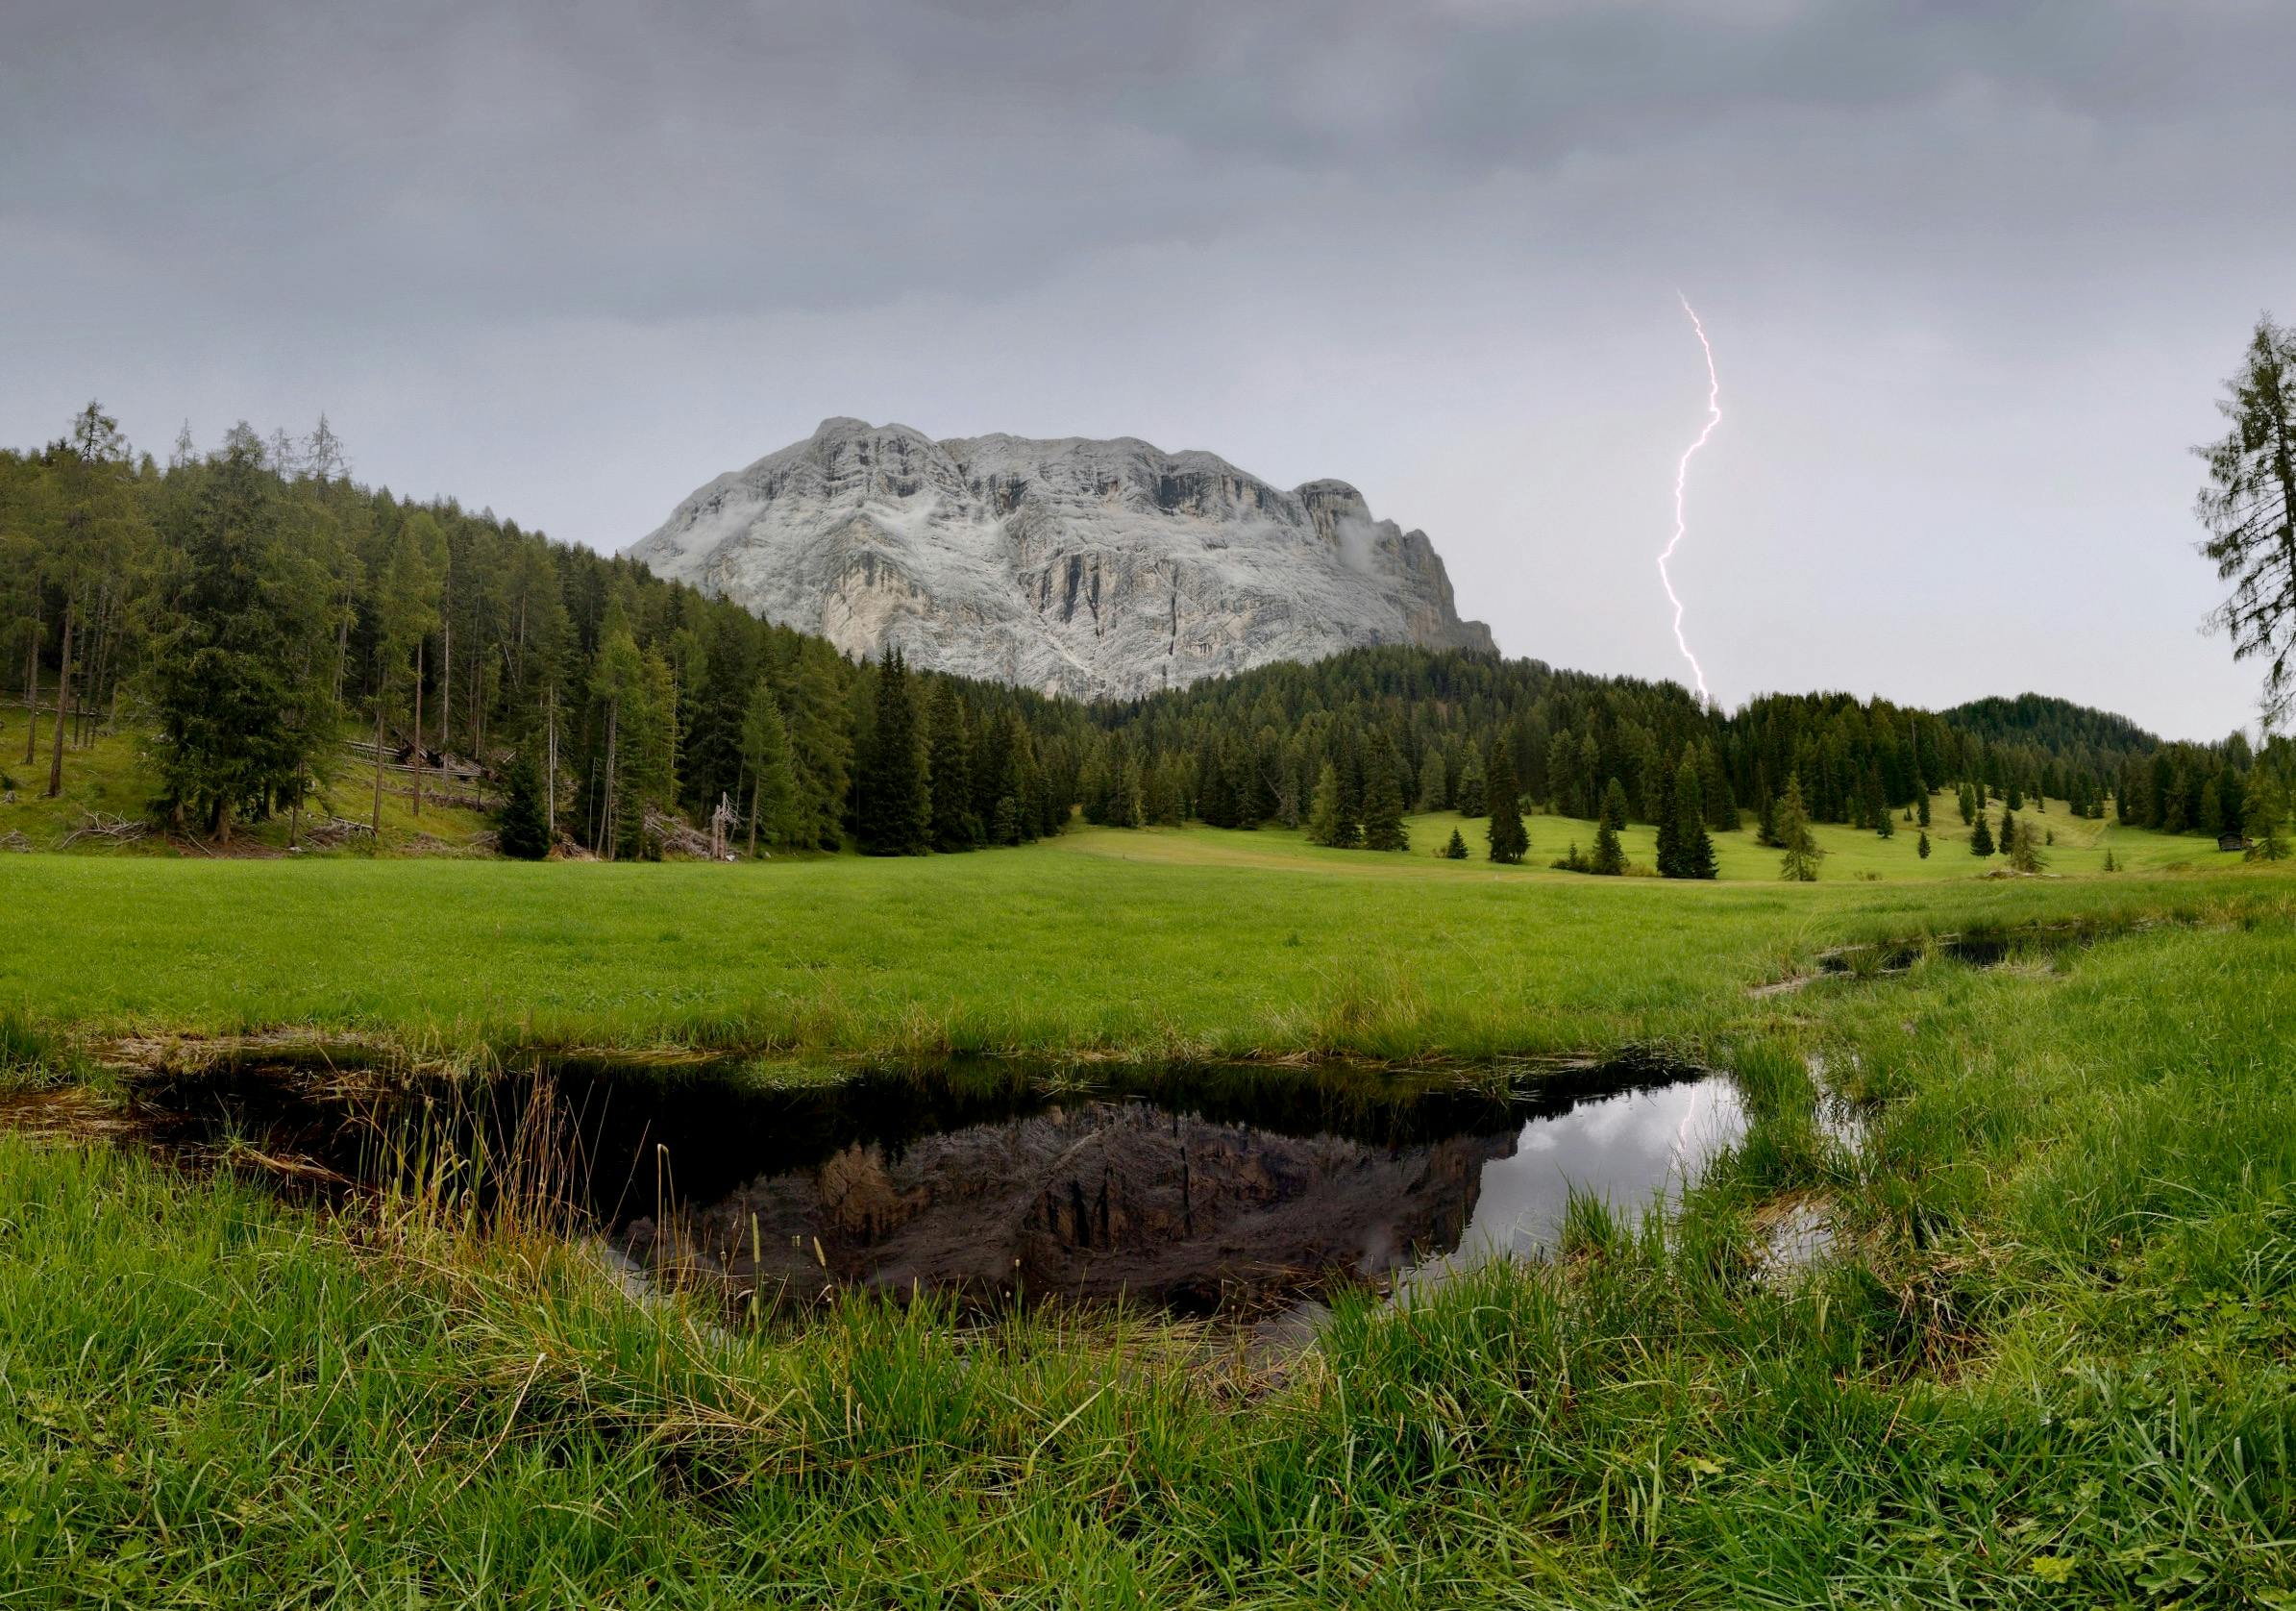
(2052, 1360)
(1159, 942)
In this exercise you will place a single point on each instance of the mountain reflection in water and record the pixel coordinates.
(1094, 1198)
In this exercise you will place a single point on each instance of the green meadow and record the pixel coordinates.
(2049, 1360)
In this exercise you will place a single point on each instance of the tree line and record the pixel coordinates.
(275, 626)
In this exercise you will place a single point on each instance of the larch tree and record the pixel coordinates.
(776, 807)
(893, 804)
(1324, 809)
(1694, 850)
(98, 518)
(2249, 508)
(1383, 800)
(1791, 823)
(238, 677)
(1509, 839)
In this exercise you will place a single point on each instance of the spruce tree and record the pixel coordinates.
(1981, 837)
(776, 813)
(520, 833)
(1922, 848)
(1456, 849)
(2025, 848)
(1383, 801)
(893, 802)
(1610, 857)
(1693, 850)
(1470, 795)
(242, 717)
(1669, 849)
(1967, 798)
(1434, 791)
(2005, 840)
(956, 827)
(1803, 854)
(1324, 810)
(1922, 808)
(1509, 840)
(2266, 807)
(1613, 803)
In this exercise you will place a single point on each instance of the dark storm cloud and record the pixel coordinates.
(1975, 267)
(664, 160)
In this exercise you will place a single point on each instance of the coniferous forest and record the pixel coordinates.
(271, 623)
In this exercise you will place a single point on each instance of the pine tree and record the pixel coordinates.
(2250, 513)
(2111, 865)
(1693, 850)
(1803, 853)
(1922, 808)
(2005, 838)
(1668, 849)
(2025, 848)
(950, 766)
(1324, 825)
(1004, 825)
(1613, 803)
(1509, 839)
(1922, 847)
(2266, 808)
(1610, 857)
(1456, 849)
(892, 799)
(243, 718)
(775, 810)
(1434, 791)
(1383, 801)
(1470, 797)
(1967, 798)
(1981, 837)
(519, 829)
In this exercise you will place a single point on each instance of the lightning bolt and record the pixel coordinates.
(1682, 476)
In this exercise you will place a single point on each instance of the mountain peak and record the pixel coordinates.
(1074, 565)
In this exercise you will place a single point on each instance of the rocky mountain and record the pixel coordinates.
(1076, 567)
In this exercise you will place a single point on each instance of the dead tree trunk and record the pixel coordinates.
(379, 766)
(63, 692)
(31, 693)
(417, 757)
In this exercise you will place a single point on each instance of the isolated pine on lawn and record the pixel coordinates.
(2005, 840)
(1609, 859)
(1456, 849)
(1803, 853)
(2025, 850)
(1922, 848)
(1981, 837)
(1921, 808)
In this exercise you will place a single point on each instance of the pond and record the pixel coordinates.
(1201, 1189)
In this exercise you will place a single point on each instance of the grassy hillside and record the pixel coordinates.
(112, 777)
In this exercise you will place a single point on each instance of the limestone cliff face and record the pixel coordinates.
(1094, 569)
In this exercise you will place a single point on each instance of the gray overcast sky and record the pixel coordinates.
(1974, 271)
